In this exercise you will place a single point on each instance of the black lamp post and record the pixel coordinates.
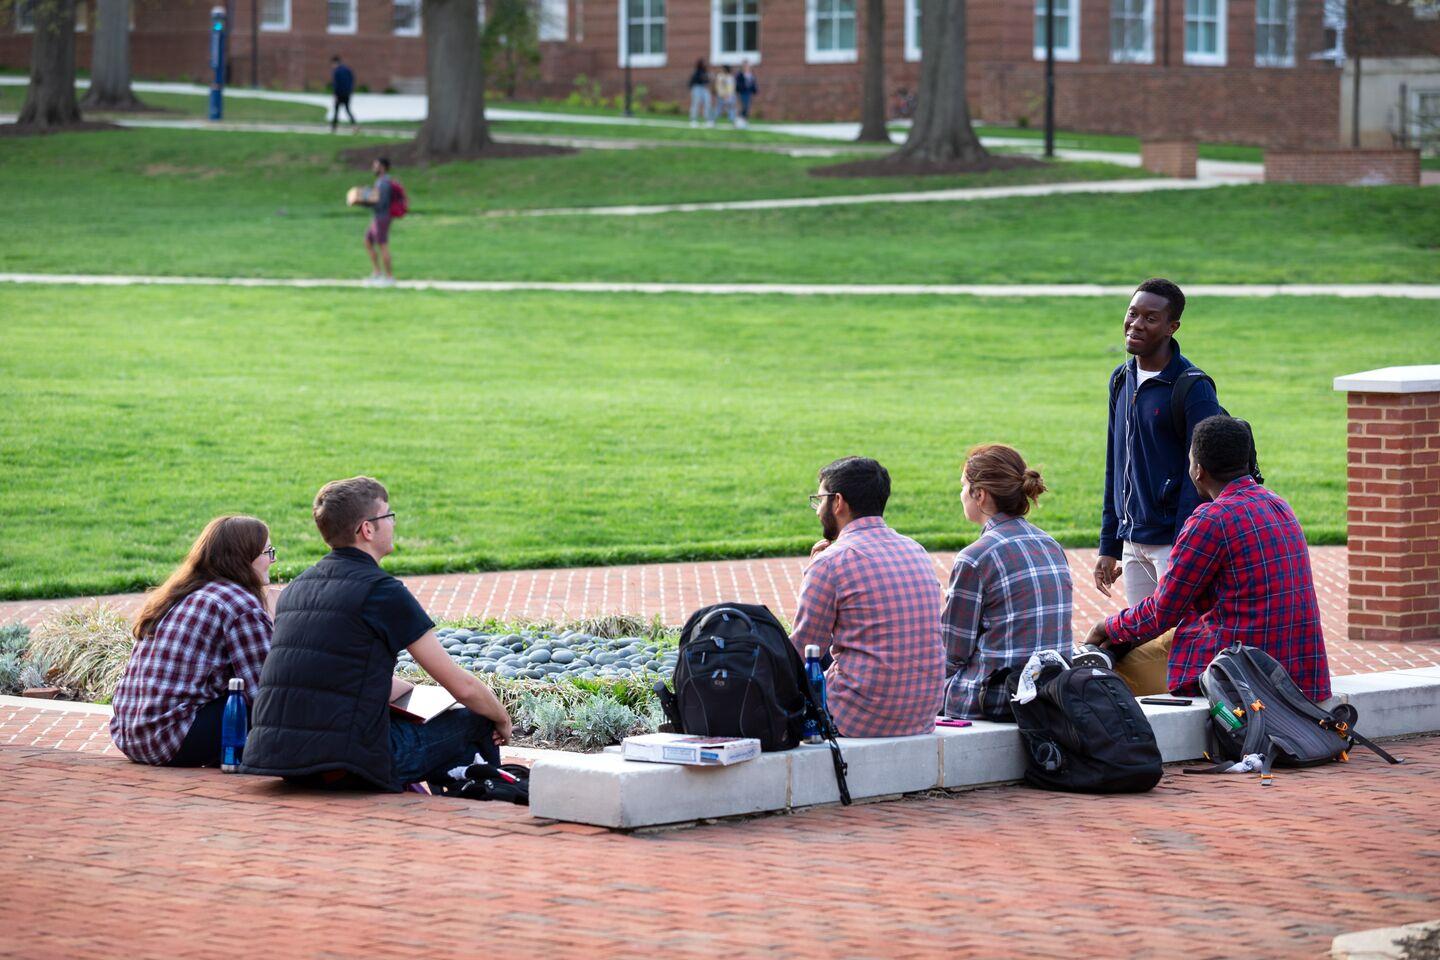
(1049, 78)
(629, 107)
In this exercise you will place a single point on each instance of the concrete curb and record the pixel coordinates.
(1383, 943)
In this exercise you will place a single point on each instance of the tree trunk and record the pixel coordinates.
(110, 59)
(454, 80)
(872, 100)
(50, 101)
(942, 133)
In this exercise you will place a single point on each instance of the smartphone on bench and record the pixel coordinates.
(947, 722)
(1167, 701)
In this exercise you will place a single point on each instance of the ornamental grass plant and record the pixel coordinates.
(86, 649)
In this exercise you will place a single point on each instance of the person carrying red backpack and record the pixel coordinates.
(390, 203)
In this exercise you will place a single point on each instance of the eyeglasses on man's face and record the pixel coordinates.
(383, 516)
(817, 498)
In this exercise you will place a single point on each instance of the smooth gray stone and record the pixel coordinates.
(604, 659)
(539, 655)
(506, 671)
(563, 656)
(553, 668)
(532, 673)
(470, 649)
(487, 667)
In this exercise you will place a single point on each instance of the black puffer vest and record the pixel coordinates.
(325, 689)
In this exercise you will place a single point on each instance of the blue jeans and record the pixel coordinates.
(422, 752)
(699, 104)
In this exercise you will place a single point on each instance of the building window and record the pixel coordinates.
(24, 16)
(82, 17)
(553, 20)
(1205, 32)
(1425, 122)
(340, 16)
(1132, 31)
(275, 15)
(1067, 29)
(830, 31)
(734, 31)
(642, 32)
(912, 29)
(1274, 33)
(405, 18)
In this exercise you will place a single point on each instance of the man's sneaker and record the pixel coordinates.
(1092, 656)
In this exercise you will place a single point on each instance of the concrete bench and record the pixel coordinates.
(606, 790)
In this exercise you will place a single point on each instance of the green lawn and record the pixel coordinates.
(197, 203)
(1068, 140)
(530, 429)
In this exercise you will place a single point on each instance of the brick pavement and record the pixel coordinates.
(673, 590)
(105, 856)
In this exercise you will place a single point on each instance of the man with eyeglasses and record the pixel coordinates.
(322, 712)
(871, 601)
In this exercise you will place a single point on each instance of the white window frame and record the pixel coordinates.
(1288, 58)
(720, 57)
(1069, 52)
(815, 55)
(552, 20)
(282, 27)
(82, 16)
(354, 6)
(912, 30)
(24, 16)
(1218, 57)
(641, 60)
(1145, 54)
(405, 31)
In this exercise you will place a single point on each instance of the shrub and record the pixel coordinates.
(10, 668)
(601, 721)
(86, 648)
(547, 718)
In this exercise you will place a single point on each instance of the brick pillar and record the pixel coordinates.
(1394, 503)
(1169, 158)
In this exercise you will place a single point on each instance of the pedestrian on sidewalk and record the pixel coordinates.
(342, 82)
(322, 715)
(699, 93)
(745, 88)
(377, 236)
(207, 623)
(724, 95)
(1148, 491)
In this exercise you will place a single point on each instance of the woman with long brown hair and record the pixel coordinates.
(209, 622)
(1009, 591)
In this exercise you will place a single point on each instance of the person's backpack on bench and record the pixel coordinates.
(1260, 718)
(738, 675)
(1083, 730)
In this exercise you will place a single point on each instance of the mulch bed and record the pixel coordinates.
(892, 166)
(31, 130)
(408, 154)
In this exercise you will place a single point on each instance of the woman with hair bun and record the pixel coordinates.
(1009, 591)
(207, 623)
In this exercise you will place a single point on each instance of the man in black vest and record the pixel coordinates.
(322, 711)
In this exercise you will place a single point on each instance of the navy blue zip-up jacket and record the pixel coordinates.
(1148, 492)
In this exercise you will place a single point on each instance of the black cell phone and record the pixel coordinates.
(1167, 701)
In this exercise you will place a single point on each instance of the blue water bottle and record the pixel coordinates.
(816, 676)
(234, 727)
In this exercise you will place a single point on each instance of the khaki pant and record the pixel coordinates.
(1145, 669)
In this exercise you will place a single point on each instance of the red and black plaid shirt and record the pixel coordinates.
(218, 632)
(1239, 571)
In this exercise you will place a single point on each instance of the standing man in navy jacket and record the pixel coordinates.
(1148, 491)
(342, 81)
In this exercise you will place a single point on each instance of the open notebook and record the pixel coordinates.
(423, 703)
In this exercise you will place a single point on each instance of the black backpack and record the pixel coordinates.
(1256, 709)
(1179, 391)
(738, 675)
(1085, 733)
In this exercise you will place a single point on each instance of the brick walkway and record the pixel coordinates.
(673, 590)
(106, 857)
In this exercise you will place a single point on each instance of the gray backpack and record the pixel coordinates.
(1257, 710)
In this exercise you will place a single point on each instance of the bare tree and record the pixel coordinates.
(110, 59)
(872, 98)
(942, 133)
(454, 81)
(50, 101)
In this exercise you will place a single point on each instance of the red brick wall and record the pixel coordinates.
(1169, 158)
(1394, 516)
(1357, 167)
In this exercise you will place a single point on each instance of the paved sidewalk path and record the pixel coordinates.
(111, 858)
(672, 590)
(1410, 291)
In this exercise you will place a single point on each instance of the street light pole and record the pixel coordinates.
(1050, 78)
(254, 44)
(629, 107)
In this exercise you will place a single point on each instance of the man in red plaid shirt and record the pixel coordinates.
(871, 600)
(1239, 572)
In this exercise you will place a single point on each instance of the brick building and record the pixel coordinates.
(1251, 71)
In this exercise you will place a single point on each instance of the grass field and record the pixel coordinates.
(537, 429)
(183, 202)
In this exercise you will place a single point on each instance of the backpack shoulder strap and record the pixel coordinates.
(1117, 383)
(1179, 392)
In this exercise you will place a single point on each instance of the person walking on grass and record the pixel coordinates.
(699, 94)
(207, 623)
(342, 82)
(745, 88)
(322, 715)
(377, 236)
(724, 96)
(1148, 491)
